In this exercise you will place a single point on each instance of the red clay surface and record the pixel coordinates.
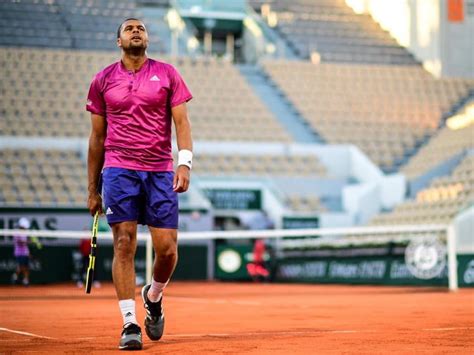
(239, 318)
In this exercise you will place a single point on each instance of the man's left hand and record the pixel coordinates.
(181, 179)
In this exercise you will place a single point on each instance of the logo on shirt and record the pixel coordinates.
(154, 78)
(109, 211)
(89, 102)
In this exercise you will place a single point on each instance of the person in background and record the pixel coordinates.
(257, 269)
(84, 249)
(21, 252)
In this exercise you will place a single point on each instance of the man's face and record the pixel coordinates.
(133, 36)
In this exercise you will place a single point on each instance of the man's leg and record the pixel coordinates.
(26, 275)
(17, 273)
(165, 244)
(166, 256)
(123, 265)
(123, 273)
(121, 193)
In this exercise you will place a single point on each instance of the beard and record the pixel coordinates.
(135, 49)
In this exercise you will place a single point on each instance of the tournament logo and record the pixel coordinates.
(425, 257)
(229, 261)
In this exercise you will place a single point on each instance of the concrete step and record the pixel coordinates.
(279, 105)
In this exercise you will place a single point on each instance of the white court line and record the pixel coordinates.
(25, 333)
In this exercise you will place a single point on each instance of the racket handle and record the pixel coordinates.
(89, 280)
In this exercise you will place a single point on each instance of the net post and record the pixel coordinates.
(211, 255)
(149, 260)
(452, 258)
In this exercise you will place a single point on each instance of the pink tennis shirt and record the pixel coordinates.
(137, 107)
(21, 246)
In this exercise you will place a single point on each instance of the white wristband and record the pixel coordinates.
(185, 157)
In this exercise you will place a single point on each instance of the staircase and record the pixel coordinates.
(411, 152)
(279, 105)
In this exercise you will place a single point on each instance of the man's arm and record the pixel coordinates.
(95, 161)
(185, 142)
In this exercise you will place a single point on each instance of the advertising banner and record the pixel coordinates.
(235, 199)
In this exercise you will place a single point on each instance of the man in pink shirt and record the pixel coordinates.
(132, 103)
(21, 252)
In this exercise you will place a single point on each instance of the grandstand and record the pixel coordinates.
(440, 202)
(43, 178)
(348, 129)
(47, 87)
(386, 105)
(238, 116)
(446, 143)
(68, 24)
(332, 31)
(254, 165)
(387, 111)
(268, 166)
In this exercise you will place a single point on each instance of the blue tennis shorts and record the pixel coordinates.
(23, 260)
(143, 196)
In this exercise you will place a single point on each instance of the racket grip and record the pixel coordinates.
(89, 280)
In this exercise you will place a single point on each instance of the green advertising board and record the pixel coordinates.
(466, 270)
(235, 199)
(384, 270)
(375, 265)
(231, 262)
(295, 222)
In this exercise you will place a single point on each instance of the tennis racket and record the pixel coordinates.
(91, 267)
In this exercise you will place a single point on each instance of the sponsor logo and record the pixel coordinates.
(229, 261)
(109, 211)
(425, 257)
(469, 273)
(303, 270)
(89, 102)
(154, 78)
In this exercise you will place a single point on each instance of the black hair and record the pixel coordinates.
(128, 19)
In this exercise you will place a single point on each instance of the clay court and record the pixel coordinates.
(245, 319)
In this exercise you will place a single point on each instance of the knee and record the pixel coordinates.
(124, 244)
(167, 250)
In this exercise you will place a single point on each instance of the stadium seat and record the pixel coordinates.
(443, 145)
(438, 203)
(333, 30)
(385, 110)
(29, 109)
(42, 178)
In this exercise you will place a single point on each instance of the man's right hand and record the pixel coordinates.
(94, 203)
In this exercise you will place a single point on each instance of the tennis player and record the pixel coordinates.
(132, 103)
(21, 252)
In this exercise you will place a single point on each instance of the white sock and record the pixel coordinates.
(156, 290)
(127, 307)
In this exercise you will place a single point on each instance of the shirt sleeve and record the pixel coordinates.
(179, 92)
(95, 98)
